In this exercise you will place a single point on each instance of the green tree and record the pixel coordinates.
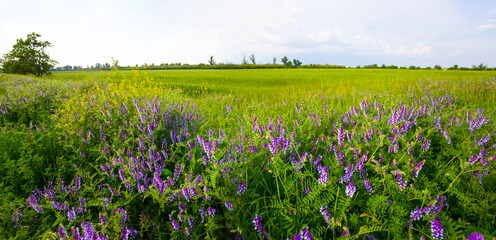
(211, 61)
(285, 60)
(296, 62)
(252, 58)
(29, 57)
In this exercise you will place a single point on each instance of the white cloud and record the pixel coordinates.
(486, 27)
(367, 43)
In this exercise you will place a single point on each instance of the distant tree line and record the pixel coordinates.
(251, 63)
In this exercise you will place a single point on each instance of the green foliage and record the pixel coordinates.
(29, 57)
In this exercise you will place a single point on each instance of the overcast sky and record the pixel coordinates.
(350, 33)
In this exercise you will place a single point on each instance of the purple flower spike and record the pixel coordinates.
(306, 235)
(436, 230)
(175, 225)
(350, 189)
(368, 186)
(229, 206)
(211, 211)
(326, 214)
(62, 233)
(241, 188)
(71, 215)
(416, 214)
(257, 221)
(476, 236)
(426, 145)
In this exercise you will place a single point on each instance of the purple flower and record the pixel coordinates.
(305, 234)
(186, 193)
(175, 225)
(257, 221)
(177, 171)
(347, 175)
(327, 216)
(367, 185)
(426, 145)
(229, 206)
(241, 188)
(345, 232)
(416, 214)
(88, 231)
(340, 136)
(103, 219)
(324, 175)
(436, 230)
(62, 232)
(211, 212)
(418, 168)
(350, 189)
(202, 214)
(190, 221)
(71, 215)
(82, 205)
(476, 236)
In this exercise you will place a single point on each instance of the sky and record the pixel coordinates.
(350, 33)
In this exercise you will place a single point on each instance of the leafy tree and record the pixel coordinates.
(481, 66)
(455, 66)
(285, 60)
(252, 58)
(29, 57)
(438, 67)
(274, 59)
(296, 62)
(211, 61)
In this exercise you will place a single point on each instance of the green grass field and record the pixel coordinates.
(274, 85)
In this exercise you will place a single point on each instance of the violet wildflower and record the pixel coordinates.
(186, 193)
(347, 175)
(229, 206)
(75, 232)
(350, 189)
(175, 225)
(416, 214)
(71, 215)
(202, 214)
(211, 212)
(418, 168)
(103, 219)
(62, 232)
(327, 216)
(426, 145)
(476, 236)
(241, 188)
(368, 186)
(437, 230)
(190, 221)
(324, 175)
(305, 234)
(340, 136)
(345, 232)
(257, 221)
(88, 231)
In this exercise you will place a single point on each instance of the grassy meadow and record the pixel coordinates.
(249, 154)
